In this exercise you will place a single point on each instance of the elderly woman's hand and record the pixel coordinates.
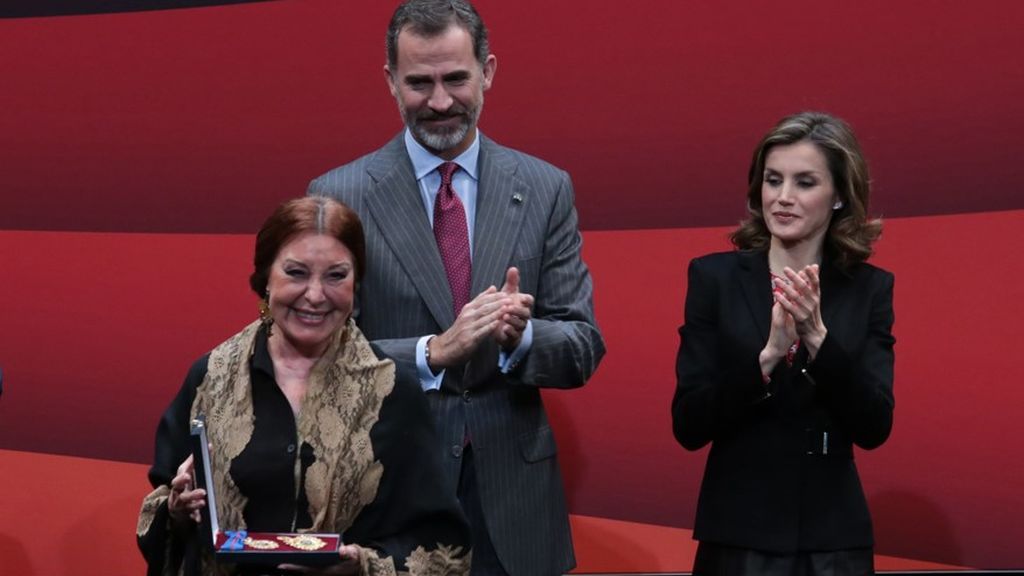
(348, 566)
(184, 502)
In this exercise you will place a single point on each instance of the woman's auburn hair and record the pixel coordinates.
(317, 214)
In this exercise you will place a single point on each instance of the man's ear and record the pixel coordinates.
(390, 79)
(490, 67)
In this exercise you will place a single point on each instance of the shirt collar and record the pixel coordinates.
(424, 162)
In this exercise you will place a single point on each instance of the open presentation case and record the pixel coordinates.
(243, 547)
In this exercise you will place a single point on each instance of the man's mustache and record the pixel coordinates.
(431, 115)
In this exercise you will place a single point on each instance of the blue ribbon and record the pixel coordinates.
(235, 541)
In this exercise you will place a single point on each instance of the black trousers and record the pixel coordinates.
(485, 559)
(718, 560)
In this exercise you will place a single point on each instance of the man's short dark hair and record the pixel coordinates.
(431, 18)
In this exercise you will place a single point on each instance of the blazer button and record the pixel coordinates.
(291, 448)
(465, 395)
(457, 450)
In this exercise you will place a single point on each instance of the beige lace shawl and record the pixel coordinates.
(346, 389)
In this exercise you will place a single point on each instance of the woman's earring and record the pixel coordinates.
(265, 317)
(838, 205)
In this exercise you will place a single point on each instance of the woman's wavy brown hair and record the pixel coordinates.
(851, 233)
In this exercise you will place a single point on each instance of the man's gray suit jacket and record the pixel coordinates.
(525, 218)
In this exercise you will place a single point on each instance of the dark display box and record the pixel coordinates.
(260, 548)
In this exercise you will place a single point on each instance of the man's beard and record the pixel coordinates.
(442, 139)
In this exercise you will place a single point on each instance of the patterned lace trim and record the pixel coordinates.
(346, 390)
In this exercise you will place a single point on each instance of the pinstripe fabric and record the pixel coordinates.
(525, 218)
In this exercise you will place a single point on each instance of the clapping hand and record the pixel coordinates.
(515, 313)
(477, 320)
(796, 315)
(800, 297)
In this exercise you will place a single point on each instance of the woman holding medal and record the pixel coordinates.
(786, 363)
(310, 430)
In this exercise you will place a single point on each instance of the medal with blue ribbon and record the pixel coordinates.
(235, 541)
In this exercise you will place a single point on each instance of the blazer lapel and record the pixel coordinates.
(398, 211)
(501, 203)
(755, 280)
(833, 284)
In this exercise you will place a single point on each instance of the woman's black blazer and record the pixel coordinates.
(780, 474)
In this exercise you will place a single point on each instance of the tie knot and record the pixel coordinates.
(447, 169)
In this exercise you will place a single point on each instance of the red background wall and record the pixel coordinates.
(140, 151)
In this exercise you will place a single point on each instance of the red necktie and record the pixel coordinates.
(452, 237)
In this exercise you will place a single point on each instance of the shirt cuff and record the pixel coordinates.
(428, 380)
(508, 362)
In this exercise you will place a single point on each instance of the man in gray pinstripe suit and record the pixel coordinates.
(529, 323)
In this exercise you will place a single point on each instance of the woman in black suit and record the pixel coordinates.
(786, 362)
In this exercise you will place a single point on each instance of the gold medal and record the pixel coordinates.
(303, 542)
(261, 544)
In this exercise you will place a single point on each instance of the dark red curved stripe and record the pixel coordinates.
(38, 8)
(202, 120)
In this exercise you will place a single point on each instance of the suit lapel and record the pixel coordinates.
(501, 204)
(755, 280)
(832, 288)
(397, 209)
